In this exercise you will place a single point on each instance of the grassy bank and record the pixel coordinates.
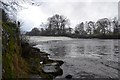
(19, 58)
(14, 65)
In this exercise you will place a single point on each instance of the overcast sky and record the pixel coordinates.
(76, 11)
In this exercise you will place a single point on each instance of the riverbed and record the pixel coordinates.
(98, 58)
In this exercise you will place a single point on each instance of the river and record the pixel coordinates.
(82, 57)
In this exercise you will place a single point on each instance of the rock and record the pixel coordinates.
(52, 69)
(68, 77)
(59, 62)
(41, 62)
(55, 64)
(44, 58)
(50, 49)
(36, 49)
(101, 62)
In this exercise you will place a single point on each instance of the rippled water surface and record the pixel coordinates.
(75, 54)
(107, 49)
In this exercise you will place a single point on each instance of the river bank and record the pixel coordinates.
(20, 59)
(39, 63)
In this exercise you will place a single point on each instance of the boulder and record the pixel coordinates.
(68, 77)
(59, 62)
(52, 68)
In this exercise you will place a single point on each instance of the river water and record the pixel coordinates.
(82, 56)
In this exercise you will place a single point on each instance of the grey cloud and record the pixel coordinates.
(80, 11)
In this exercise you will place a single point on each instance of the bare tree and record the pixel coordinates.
(79, 29)
(116, 26)
(57, 24)
(91, 27)
(103, 25)
(13, 6)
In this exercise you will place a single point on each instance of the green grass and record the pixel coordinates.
(0, 57)
(13, 64)
(0, 52)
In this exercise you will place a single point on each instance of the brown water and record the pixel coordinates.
(84, 55)
(107, 49)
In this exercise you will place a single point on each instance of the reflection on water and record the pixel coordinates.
(106, 49)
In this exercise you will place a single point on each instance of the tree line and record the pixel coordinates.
(59, 25)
